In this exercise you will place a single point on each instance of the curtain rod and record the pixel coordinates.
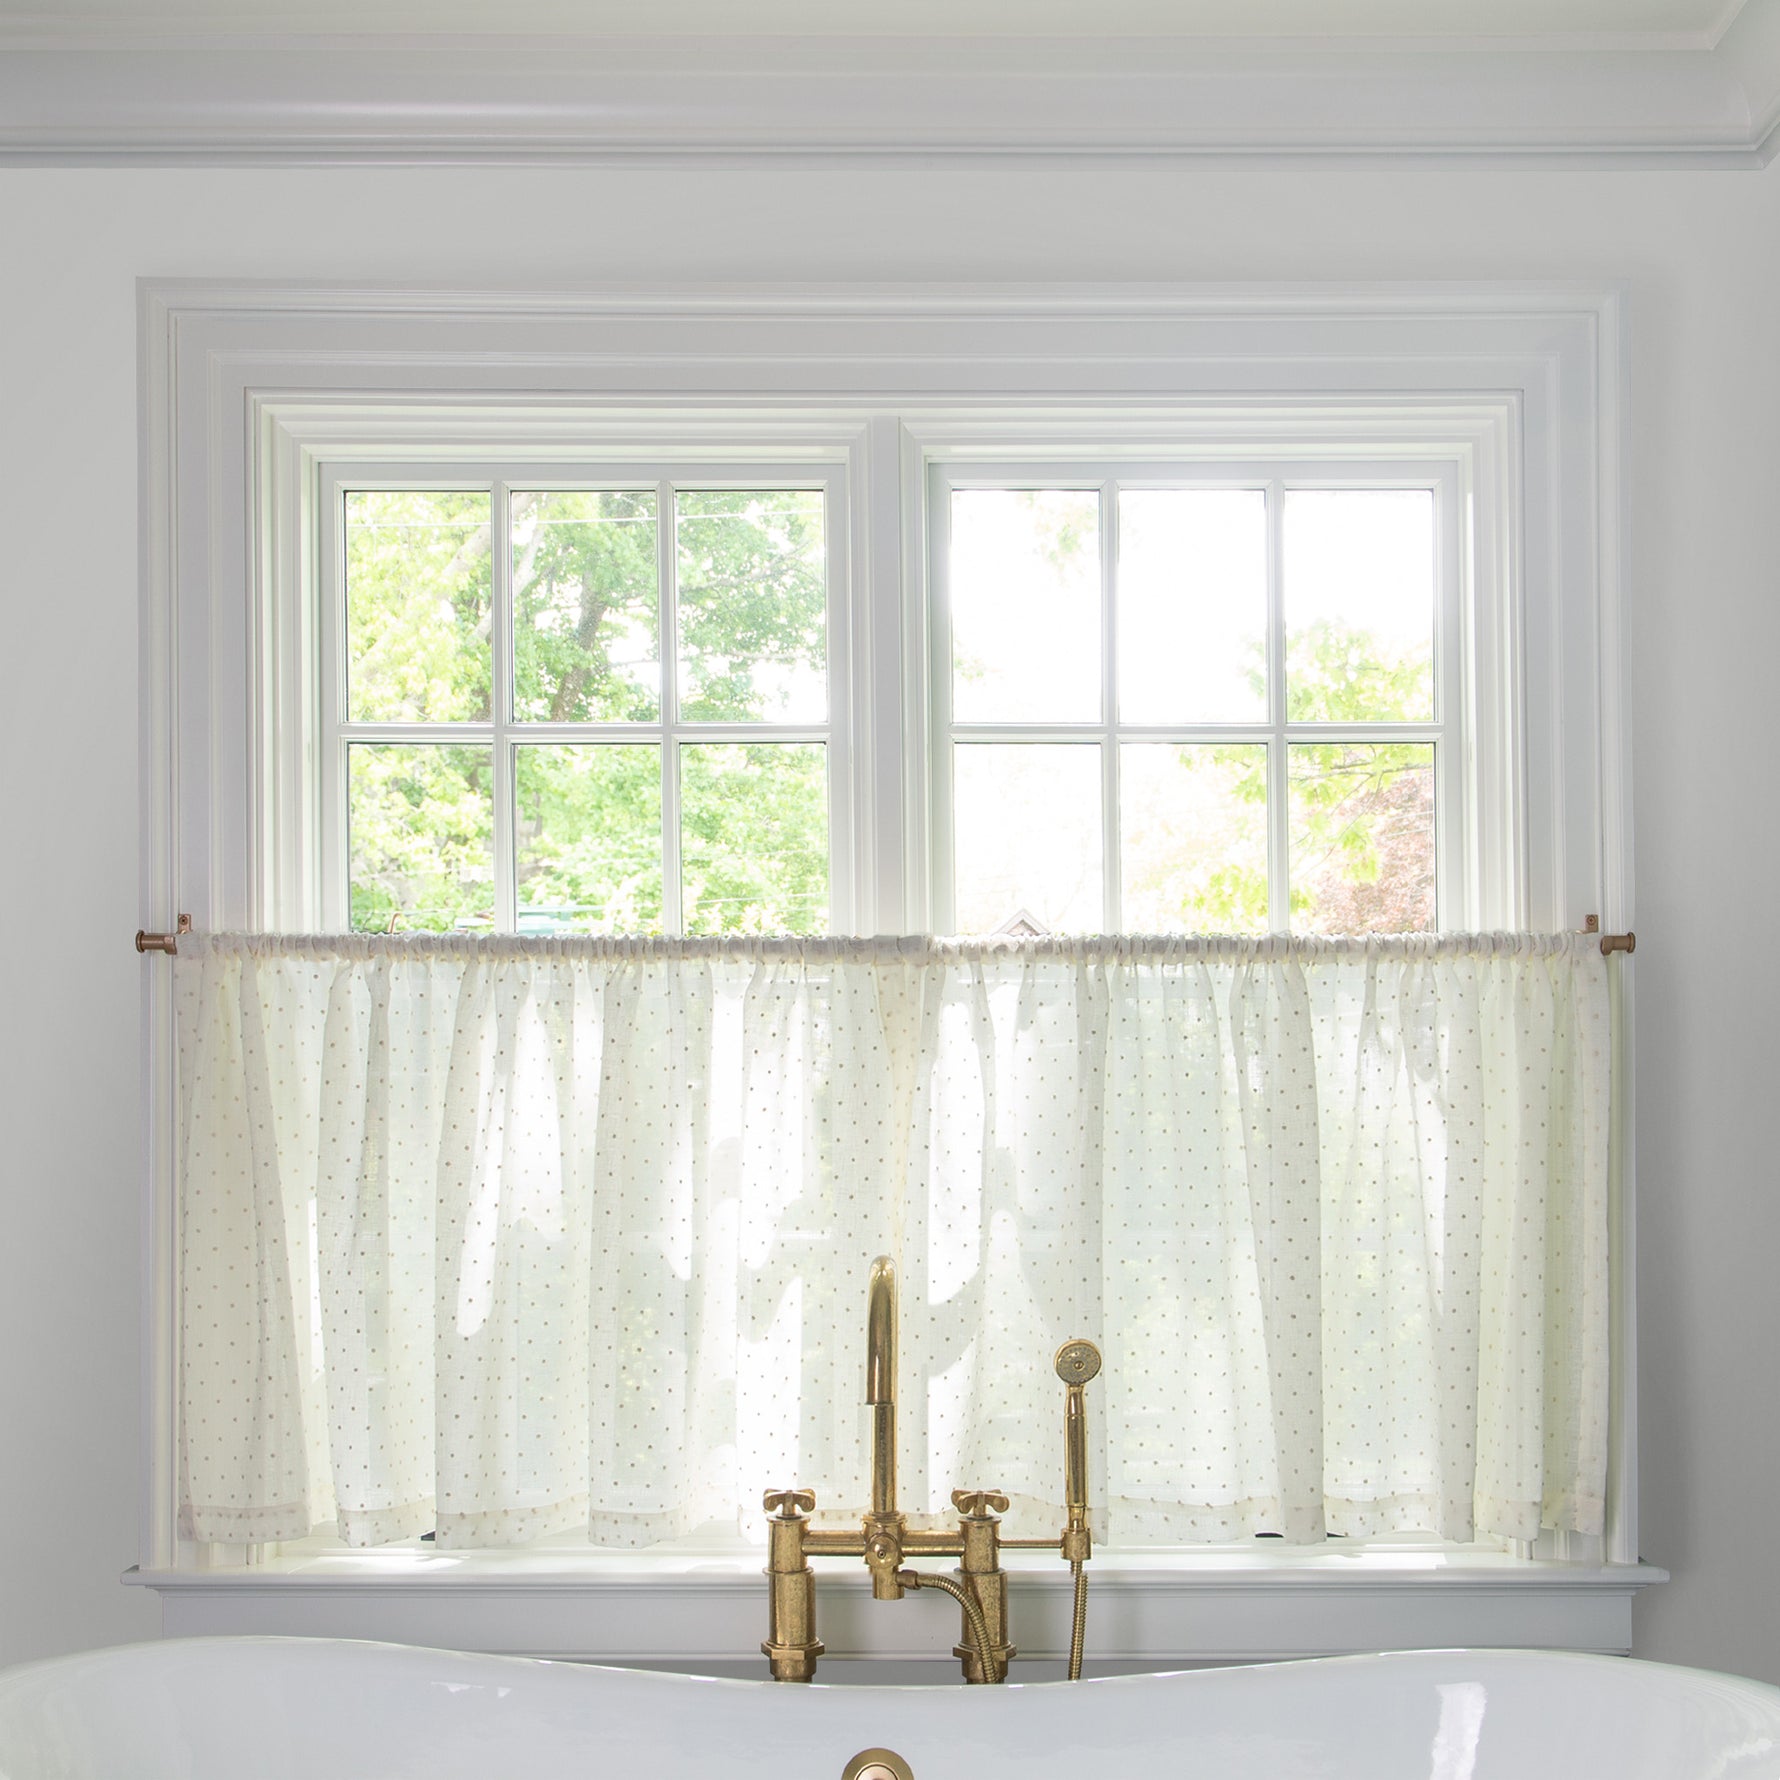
(169, 942)
(1610, 942)
(163, 942)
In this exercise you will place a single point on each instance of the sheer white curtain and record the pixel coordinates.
(501, 1237)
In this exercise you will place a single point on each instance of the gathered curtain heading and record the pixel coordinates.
(498, 1237)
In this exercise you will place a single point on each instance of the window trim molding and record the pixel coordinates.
(238, 381)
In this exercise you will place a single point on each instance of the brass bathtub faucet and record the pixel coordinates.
(886, 1542)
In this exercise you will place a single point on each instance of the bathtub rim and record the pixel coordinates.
(1713, 1681)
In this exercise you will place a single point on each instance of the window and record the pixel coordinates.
(1470, 433)
(1218, 705)
(1173, 698)
(511, 746)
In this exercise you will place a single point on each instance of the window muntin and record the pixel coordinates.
(1246, 688)
(1239, 785)
(506, 751)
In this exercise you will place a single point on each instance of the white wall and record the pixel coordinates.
(1700, 256)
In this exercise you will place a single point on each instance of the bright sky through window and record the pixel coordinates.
(1185, 790)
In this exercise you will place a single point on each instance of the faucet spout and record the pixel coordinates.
(880, 1382)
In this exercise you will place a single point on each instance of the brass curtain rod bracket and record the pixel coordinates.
(1610, 942)
(163, 942)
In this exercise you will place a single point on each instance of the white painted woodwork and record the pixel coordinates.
(1145, 1609)
(1679, 87)
(1673, 23)
(252, 387)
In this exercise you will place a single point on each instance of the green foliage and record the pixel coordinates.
(755, 846)
(1362, 837)
(586, 646)
(421, 830)
(1338, 674)
(1362, 858)
(1213, 894)
(588, 822)
(587, 649)
(1194, 841)
(752, 597)
(418, 598)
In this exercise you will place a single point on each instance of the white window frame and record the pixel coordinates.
(1468, 629)
(330, 482)
(247, 392)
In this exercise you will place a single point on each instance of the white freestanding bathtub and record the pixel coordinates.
(323, 1709)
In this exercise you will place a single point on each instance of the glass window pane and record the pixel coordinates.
(1026, 822)
(754, 837)
(586, 644)
(1362, 841)
(1193, 606)
(753, 598)
(1359, 595)
(587, 839)
(1193, 837)
(419, 589)
(1025, 596)
(420, 837)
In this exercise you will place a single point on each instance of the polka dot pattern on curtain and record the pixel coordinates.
(494, 1239)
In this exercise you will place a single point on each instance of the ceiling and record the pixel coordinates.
(1448, 24)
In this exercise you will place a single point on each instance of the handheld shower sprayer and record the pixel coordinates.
(1077, 1362)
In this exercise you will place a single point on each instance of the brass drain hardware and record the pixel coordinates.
(878, 1764)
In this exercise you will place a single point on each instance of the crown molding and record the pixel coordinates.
(321, 101)
(1750, 45)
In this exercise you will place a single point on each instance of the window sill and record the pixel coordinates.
(707, 1610)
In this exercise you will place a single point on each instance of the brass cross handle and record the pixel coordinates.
(978, 1504)
(789, 1504)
